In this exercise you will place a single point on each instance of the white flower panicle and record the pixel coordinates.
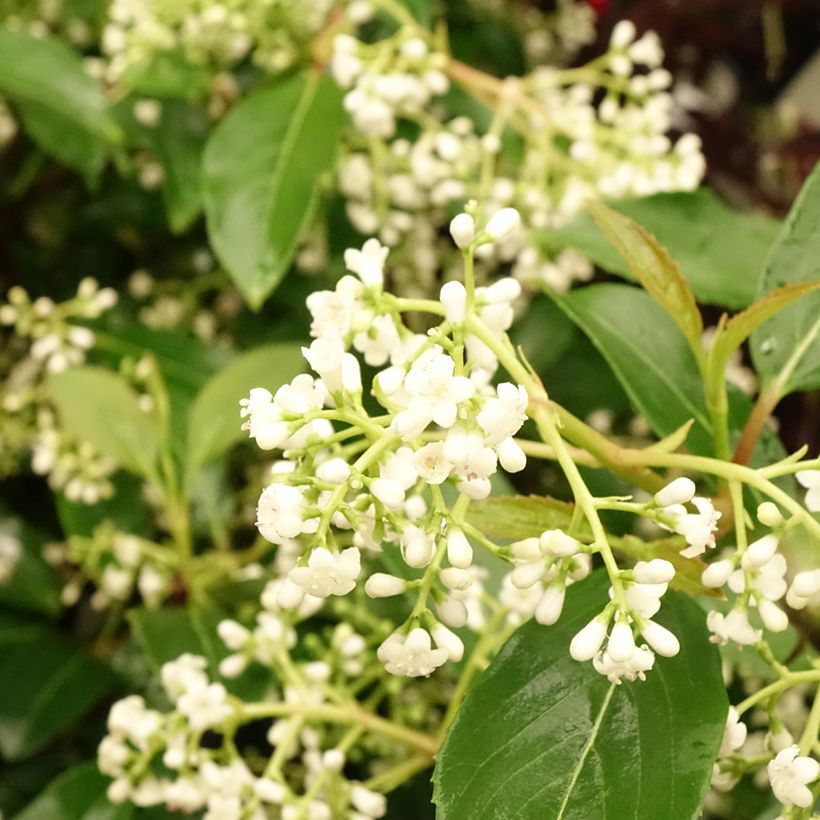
(444, 424)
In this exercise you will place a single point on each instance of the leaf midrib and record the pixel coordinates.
(593, 735)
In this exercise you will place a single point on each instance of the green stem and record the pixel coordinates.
(812, 730)
(345, 716)
(794, 678)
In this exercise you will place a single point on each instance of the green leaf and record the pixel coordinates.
(733, 332)
(795, 257)
(512, 518)
(46, 73)
(70, 144)
(179, 142)
(46, 685)
(97, 405)
(166, 633)
(540, 735)
(76, 794)
(653, 363)
(213, 422)
(262, 169)
(650, 262)
(648, 354)
(719, 250)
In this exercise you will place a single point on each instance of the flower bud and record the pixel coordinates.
(270, 791)
(232, 666)
(621, 646)
(382, 585)
(585, 645)
(452, 612)
(233, 634)
(453, 298)
(290, 595)
(391, 379)
(679, 491)
(351, 374)
(449, 642)
(525, 576)
(503, 224)
(558, 544)
(512, 457)
(371, 804)
(454, 578)
(760, 552)
(503, 290)
(773, 617)
(462, 229)
(807, 584)
(769, 514)
(656, 571)
(550, 606)
(528, 549)
(623, 34)
(459, 551)
(333, 759)
(717, 574)
(334, 471)
(660, 639)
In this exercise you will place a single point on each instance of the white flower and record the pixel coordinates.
(396, 476)
(810, 479)
(377, 342)
(279, 512)
(697, 528)
(469, 454)
(336, 312)
(789, 774)
(184, 674)
(337, 369)
(634, 667)
(734, 735)
(411, 656)
(205, 707)
(503, 416)
(434, 393)
(430, 463)
(131, 719)
(732, 627)
(368, 263)
(328, 573)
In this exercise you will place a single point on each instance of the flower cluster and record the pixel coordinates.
(117, 563)
(575, 146)
(216, 36)
(349, 477)
(617, 654)
(48, 337)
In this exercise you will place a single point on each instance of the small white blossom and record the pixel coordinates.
(411, 655)
(810, 479)
(790, 773)
(328, 573)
